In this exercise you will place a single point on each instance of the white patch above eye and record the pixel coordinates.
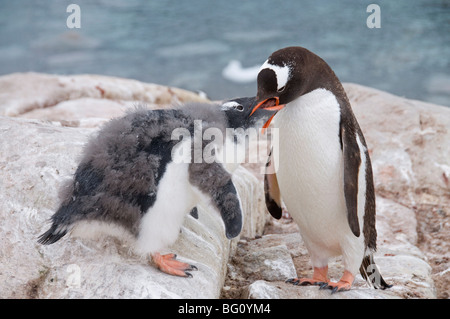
(229, 105)
(281, 72)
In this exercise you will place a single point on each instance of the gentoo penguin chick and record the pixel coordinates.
(324, 173)
(134, 174)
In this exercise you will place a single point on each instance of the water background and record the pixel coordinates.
(188, 44)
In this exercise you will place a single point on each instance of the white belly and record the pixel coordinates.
(310, 172)
(161, 224)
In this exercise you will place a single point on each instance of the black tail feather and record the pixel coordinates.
(370, 272)
(62, 222)
(51, 236)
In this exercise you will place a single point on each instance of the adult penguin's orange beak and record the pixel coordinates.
(272, 104)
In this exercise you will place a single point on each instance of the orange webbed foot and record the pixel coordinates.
(168, 264)
(344, 284)
(306, 282)
(319, 278)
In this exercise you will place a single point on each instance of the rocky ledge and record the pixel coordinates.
(45, 121)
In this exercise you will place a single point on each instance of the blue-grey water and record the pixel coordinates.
(188, 44)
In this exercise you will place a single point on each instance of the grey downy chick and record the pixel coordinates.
(134, 174)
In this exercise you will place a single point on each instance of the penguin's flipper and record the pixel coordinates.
(352, 162)
(271, 190)
(214, 180)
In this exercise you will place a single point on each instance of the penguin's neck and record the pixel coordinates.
(318, 108)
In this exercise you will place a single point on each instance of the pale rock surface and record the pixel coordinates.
(277, 290)
(24, 92)
(272, 263)
(255, 207)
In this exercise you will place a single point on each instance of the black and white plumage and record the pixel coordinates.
(133, 174)
(324, 175)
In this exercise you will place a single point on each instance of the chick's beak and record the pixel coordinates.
(271, 104)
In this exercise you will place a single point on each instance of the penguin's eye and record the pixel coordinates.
(239, 107)
(281, 89)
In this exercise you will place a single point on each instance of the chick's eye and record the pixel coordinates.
(281, 89)
(239, 107)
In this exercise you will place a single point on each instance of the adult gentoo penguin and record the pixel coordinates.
(324, 175)
(131, 176)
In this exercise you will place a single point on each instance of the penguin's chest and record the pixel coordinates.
(310, 172)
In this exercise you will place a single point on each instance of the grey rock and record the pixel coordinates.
(271, 263)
